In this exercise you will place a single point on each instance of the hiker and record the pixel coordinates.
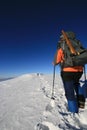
(70, 77)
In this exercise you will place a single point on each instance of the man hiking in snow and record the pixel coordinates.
(70, 77)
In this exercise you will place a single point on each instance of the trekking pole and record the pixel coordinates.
(84, 74)
(52, 97)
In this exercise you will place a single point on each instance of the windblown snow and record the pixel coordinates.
(26, 104)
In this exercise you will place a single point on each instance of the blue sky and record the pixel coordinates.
(29, 31)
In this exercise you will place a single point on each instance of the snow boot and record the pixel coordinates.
(73, 106)
(81, 101)
(81, 97)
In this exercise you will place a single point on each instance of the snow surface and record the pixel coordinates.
(26, 104)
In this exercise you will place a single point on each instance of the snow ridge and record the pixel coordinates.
(26, 104)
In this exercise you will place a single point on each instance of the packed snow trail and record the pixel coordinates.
(58, 117)
(25, 104)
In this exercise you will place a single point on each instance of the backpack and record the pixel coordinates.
(70, 59)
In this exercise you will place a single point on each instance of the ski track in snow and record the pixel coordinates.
(25, 104)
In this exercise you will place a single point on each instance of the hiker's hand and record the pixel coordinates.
(54, 63)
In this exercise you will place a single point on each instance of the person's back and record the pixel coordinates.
(60, 59)
(70, 77)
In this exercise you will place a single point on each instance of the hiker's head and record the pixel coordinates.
(62, 37)
(70, 35)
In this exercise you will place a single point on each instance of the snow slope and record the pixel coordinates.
(25, 104)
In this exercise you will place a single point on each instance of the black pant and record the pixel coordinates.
(71, 83)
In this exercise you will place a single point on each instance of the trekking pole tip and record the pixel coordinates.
(53, 98)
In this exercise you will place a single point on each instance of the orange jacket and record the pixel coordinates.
(60, 58)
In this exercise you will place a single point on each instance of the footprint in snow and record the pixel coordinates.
(46, 126)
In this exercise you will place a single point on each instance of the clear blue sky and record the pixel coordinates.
(29, 31)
